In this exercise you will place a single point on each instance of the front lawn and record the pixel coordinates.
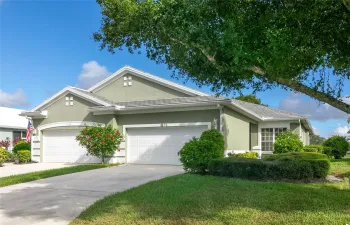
(21, 178)
(341, 167)
(195, 199)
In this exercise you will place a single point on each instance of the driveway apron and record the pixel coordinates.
(58, 200)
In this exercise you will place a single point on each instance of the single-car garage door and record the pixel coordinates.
(61, 146)
(159, 145)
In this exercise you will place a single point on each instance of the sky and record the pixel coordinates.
(47, 45)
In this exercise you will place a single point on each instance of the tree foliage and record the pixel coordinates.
(251, 99)
(100, 141)
(232, 45)
(339, 146)
(316, 140)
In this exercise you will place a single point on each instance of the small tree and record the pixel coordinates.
(288, 142)
(5, 143)
(338, 145)
(100, 141)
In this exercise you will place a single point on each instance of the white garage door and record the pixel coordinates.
(159, 145)
(61, 146)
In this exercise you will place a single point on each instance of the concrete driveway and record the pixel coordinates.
(13, 169)
(58, 200)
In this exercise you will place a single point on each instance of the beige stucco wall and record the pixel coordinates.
(140, 89)
(236, 130)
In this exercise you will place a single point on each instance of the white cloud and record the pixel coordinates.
(311, 108)
(13, 99)
(316, 130)
(342, 131)
(91, 73)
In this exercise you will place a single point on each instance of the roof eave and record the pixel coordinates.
(69, 89)
(148, 76)
(34, 115)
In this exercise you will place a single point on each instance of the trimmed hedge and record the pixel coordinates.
(288, 166)
(250, 155)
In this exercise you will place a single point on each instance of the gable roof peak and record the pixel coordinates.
(128, 69)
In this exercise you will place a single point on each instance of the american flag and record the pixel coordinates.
(30, 128)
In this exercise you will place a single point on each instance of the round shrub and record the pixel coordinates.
(287, 142)
(196, 155)
(3, 155)
(24, 155)
(214, 136)
(21, 145)
(339, 146)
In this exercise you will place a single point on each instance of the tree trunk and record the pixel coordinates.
(299, 87)
(103, 159)
(323, 97)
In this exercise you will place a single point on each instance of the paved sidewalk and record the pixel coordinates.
(13, 169)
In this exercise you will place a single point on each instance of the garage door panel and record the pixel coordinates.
(159, 145)
(61, 146)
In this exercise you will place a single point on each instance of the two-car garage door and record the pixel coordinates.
(61, 146)
(159, 145)
(152, 145)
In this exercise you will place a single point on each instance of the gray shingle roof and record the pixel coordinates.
(267, 112)
(172, 101)
(94, 95)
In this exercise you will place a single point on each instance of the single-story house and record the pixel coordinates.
(156, 117)
(12, 125)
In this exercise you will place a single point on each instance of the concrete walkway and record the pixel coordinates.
(58, 200)
(13, 169)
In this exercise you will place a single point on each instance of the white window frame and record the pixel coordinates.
(273, 135)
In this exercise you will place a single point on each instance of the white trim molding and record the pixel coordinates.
(208, 124)
(127, 69)
(72, 90)
(68, 124)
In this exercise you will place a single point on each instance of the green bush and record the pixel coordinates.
(10, 157)
(327, 151)
(313, 148)
(24, 155)
(319, 163)
(250, 155)
(310, 149)
(196, 154)
(214, 136)
(339, 146)
(21, 145)
(3, 155)
(319, 148)
(286, 167)
(287, 142)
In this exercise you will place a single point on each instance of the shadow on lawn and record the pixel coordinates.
(192, 196)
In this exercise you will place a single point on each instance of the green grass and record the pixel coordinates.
(22, 178)
(195, 199)
(341, 167)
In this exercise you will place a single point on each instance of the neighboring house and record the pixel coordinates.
(12, 125)
(156, 117)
